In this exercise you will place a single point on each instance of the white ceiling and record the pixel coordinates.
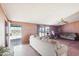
(42, 13)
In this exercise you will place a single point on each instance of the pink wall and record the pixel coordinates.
(28, 29)
(72, 27)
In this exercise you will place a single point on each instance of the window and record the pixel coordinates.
(43, 30)
(15, 31)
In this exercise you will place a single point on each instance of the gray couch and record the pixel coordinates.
(70, 36)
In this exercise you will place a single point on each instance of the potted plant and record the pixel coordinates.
(3, 50)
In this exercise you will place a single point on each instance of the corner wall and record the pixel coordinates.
(2, 33)
(2, 28)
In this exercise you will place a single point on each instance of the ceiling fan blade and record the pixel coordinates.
(62, 20)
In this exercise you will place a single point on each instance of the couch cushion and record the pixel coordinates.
(62, 51)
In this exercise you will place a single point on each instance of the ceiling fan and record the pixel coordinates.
(62, 21)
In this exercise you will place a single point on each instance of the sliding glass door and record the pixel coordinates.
(15, 35)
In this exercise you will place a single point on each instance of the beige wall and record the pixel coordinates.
(27, 29)
(2, 28)
(72, 27)
(2, 32)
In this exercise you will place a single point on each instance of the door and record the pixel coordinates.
(15, 35)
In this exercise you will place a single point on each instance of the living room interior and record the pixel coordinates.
(39, 29)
